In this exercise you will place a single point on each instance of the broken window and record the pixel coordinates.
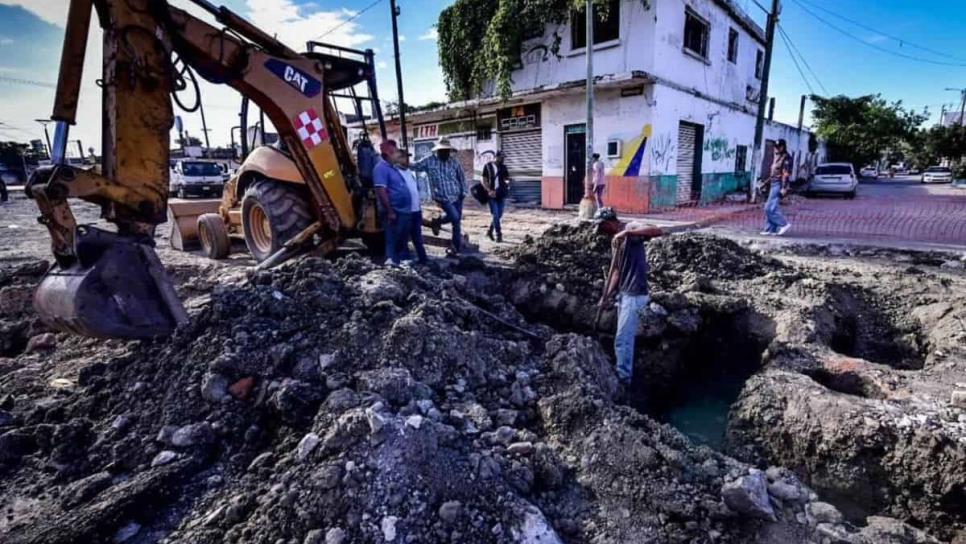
(759, 64)
(733, 46)
(607, 24)
(696, 31)
(741, 157)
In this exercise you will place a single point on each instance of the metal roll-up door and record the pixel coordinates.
(523, 155)
(686, 137)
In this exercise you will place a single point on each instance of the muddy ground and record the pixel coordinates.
(344, 402)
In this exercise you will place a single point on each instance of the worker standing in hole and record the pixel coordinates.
(627, 280)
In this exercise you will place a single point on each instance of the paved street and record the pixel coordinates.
(898, 211)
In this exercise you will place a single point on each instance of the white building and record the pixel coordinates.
(677, 86)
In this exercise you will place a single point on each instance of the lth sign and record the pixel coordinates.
(522, 117)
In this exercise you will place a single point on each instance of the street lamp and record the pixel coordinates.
(46, 134)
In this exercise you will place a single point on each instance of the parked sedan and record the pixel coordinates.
(835, 177)
(937, 174)
(869, 172)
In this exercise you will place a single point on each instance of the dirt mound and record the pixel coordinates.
(354, 404)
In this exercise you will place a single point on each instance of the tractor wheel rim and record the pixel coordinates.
(203, 235)
(261, 229)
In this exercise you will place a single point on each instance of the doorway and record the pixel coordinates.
(575, 162)
(690, 144)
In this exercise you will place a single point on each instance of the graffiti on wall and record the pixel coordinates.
(662, 149)
(719, 148)
(632, 156)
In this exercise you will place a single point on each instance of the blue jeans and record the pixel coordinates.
(413, 233)
(628, 317)
(454, 215)
(774, 219)
(397, 236)
(496, 210)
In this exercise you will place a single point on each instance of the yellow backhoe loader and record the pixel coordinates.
(305, 192)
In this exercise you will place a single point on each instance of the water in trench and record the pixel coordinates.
(702, 414)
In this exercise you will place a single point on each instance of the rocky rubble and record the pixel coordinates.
(343, 402)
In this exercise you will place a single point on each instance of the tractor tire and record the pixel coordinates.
(273, 213)
(214, 236)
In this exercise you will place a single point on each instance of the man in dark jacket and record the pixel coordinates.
(496, 180)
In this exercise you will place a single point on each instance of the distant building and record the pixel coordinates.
(677, 86)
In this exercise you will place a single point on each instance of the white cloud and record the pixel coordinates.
(430, 34)
(294, 25)
(6, 41)
(381, 64)
(402, 37)
(51, 11)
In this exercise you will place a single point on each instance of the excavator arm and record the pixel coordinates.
(112, 284)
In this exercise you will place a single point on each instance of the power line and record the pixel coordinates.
(902, 41)
(350, 19)
(27, 82)
(789, 42)
(872, 45)
(795, 60)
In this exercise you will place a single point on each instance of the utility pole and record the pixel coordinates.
(46, 134)
(801, 112)
(204, 127)
(763, 95)
(587, 203)
(962, 105)
(399, 82)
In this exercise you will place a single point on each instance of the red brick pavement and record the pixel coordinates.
(881, 212)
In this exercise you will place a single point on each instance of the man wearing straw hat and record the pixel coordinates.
(448, 185)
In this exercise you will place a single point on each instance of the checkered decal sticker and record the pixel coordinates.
(310, 128)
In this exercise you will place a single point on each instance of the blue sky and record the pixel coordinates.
(31, 32)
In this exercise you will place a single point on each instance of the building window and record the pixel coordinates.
(607, 25)
(733, 46)
(760, 64)
(741, 157)
(484, 133)
(696, 31)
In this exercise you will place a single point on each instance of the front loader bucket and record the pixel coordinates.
(184, 227)
(117, 288)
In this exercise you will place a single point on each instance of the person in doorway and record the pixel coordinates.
(628, 282)
(496, 180)
(448, 184)
(394, 199)
(777, 187)
(414, 228)
(597, 179)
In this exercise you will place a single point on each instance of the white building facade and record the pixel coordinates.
(677, 85)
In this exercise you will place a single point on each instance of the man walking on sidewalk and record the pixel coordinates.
(628, 281)
(777, 187)
(598, 181)
(496, 180)
(448, 184)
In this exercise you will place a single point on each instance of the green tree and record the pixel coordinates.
(480, 40)
(863, 129)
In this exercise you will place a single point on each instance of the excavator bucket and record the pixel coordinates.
(184, 227)
(116, 288)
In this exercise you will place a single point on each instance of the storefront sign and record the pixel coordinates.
(518, 117)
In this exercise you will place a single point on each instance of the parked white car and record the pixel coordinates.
(869, 172)
(191, 177)
(937, 174)
(833, 177)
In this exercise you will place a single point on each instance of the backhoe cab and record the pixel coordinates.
(306, 192)
(266, 202)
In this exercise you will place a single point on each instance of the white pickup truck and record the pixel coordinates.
(193, 177)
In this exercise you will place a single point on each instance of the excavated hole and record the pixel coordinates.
(858, 323)
(846, 382)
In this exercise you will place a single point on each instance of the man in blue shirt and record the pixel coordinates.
(448, 184)
(394, 199)
(628, 281)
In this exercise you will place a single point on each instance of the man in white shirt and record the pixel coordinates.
(598, 179)
(414, 228)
